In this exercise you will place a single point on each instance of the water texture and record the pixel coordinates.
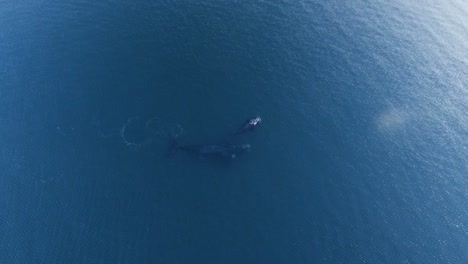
(361, 156)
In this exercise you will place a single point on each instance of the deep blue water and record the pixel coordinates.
(362, 155)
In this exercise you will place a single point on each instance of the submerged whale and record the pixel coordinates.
(224, 150)
(248, 125)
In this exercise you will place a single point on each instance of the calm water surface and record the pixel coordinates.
(362, 155)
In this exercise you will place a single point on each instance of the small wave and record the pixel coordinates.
(65, 130)
(133, 134)
(137, 132)
(175, 131)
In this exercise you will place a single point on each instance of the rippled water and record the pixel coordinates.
(361, 156)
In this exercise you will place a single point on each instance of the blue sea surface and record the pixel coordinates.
(361, 156)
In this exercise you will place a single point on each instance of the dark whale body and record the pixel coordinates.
(221, 150)
(226, 149)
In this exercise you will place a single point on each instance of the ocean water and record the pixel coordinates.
(362, 155)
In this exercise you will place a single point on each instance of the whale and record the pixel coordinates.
(248, 125)
(215, 150)
(223, 150)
